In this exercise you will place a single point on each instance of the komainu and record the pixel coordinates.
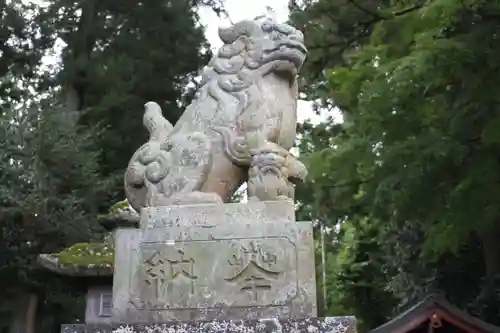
(239, 127)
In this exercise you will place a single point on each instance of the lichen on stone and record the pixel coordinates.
(303, 325)
(86, 254)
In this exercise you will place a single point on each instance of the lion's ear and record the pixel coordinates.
(260, 17)
(244, 28)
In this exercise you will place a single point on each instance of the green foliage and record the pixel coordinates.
(238, 196)
(20, 51)
(86, 254)
(50, 189)
(50, 185)
(355, 276)
(118, 57)
(413, 171)
(64, 148)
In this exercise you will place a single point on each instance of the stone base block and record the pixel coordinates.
(307, 325)
(215, 262)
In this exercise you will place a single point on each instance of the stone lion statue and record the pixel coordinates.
(248, 90)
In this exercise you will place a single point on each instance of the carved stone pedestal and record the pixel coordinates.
(215, 262)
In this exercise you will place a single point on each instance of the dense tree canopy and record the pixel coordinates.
(119, 55)
(67, 131)
(50, 188)
(412, 174)
(408, 183)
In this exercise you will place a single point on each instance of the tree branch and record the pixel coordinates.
(353, 183)
(408, 10)
(363, 32)
(381, 17)
(365, 10)
(348, 184)
(365, 25)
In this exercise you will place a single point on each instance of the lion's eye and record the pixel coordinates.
(267, 27)
(279, 36)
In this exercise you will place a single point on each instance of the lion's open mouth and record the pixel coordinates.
(291, 44)
(290, 51)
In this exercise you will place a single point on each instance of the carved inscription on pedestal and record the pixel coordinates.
(158, 274)
(241, 272)
(255, 270)
(161, 271)
(243, 268)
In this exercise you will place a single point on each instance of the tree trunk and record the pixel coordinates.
(490, 239)
(81, 49)
(24, 314)
(31, 313)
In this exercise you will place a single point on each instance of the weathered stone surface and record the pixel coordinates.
(186, 222)
(96, 311)
(205, 262)
(245, 114)
(307, 325)
(273, 172)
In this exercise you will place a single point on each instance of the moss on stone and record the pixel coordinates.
(102, 217)
(86, 254)
(121, 214)
(118, 206)
(113, 210)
